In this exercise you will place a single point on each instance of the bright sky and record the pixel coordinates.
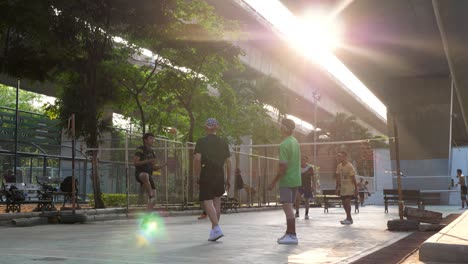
(316, 33)
(43, 99)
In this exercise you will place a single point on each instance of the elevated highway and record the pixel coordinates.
(267, 53)
(411, 54)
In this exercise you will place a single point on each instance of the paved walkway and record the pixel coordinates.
(250, 238)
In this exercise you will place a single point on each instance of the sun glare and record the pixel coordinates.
(316, 36)
(316, 33)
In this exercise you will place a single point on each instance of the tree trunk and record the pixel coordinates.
(98, 202)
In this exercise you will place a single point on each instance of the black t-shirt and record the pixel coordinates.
(214, 151)
(144, 153)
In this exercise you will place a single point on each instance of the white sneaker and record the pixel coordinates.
(346, 222)
(461, 208)
(277, 240)
(215, 234)
(288, 239)
(306, 217)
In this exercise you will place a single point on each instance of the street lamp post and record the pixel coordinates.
(316, 95)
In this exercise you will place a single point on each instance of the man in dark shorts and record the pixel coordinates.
(346, 185)
(308, 185)
(463, 189)
(145, 163)
(289, 178)
(210, 156)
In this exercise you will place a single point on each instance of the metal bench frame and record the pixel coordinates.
(408, 196)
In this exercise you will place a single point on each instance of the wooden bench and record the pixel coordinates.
(329, 196)
(228, 203)
(408, 196)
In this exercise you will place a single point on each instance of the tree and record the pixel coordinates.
(26, 99)
(198, 61)
(27, 49)
(344, 127)
(85, 28)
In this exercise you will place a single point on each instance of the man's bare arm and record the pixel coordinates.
(196, 165)
(338, 184)
(281, 171)
(228, 174)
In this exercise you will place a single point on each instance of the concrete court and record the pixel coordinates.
(249, 238)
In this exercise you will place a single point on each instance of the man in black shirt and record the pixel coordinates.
(307, 188)
(211, 153)
(145, 162)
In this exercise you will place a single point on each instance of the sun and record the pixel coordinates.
(316, 33)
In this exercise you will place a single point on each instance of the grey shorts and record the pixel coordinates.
(287, 194)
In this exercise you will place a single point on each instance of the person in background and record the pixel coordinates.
(307, 188)
(9, 177)
(346, 185)
(362, 188)
(463, 190)
(239, 184)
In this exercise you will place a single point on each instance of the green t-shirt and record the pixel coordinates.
(290, 154)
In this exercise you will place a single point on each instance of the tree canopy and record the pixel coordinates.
(74, 44)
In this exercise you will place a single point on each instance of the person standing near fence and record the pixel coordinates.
(145, 162)
(362, 187)
(308, 185)
(463, 189)
(346, 185)
(210, 156)
(289, 178)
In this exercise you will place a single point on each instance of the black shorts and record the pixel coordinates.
(137, 174)
(463, 190)
(211, 186)
(306, 192)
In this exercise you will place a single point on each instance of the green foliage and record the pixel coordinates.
(343, 127)
(115, 199)
(26, 99)
(250, 116)
(71, 43)
(27, 49)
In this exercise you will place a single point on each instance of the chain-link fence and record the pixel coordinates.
(253, 168)
(176, 187)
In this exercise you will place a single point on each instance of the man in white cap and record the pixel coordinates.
(210, 156)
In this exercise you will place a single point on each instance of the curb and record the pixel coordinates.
(107, 214)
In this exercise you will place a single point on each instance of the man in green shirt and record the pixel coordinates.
(289, 177)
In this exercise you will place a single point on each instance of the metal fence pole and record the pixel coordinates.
(165, 176)
(258, 182)
(250, 179)
(186, 172)
(127, 183)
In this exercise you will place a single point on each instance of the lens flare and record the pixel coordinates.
(151, 228)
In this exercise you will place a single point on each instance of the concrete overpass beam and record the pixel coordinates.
(423, 122)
